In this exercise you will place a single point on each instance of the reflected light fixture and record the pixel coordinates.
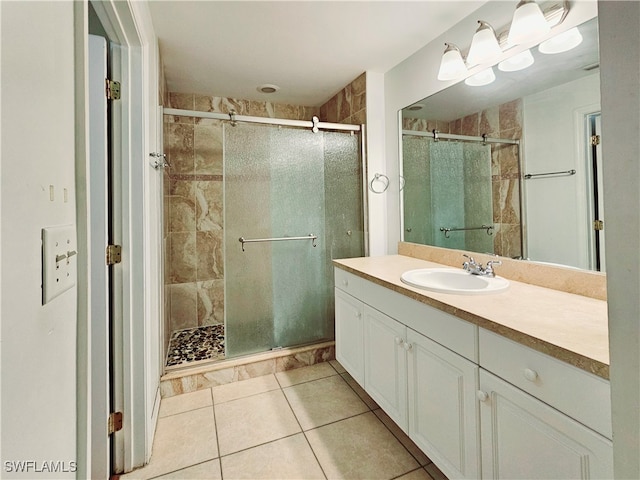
(563, 42)
(484, 45)
(484, 77)
(528, 23)
(518, 62)
(452, 65)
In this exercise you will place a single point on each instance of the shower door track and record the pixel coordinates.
(232, 117)
(451, 136)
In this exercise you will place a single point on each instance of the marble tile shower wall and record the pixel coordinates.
(193, 206)
(501, 121)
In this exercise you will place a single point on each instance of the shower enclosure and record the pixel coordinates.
(282, 199)
(292, 202)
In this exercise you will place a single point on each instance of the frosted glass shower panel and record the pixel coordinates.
(275, 291)
(447, 193)
(298, 209)
(417, 191)
(247, 213)
(478, 196)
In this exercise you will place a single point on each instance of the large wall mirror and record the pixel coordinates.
(511, 167)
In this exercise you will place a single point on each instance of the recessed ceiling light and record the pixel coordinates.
(416, 107)
(268, 88)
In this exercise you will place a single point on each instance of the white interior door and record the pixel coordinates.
(98, 238)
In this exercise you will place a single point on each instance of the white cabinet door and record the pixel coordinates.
(386, 364)
(350, 335)
(443, 410)
(524, 438)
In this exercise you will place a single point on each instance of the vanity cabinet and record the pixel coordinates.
(350, 335)
(443, 407)
(385, 366)
(524, 438)
(540, 417)
(427, 389)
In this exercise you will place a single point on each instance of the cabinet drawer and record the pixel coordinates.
(349, 283)
(575, 392)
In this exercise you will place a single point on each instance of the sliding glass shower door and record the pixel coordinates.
(281, 183)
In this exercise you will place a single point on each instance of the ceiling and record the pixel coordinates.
(310, 49)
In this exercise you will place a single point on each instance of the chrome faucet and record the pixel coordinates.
(477, 269)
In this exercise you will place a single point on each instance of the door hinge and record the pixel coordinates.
(113, 90)
(595, 140)
(115, 422)
(598, 225)
(114, 254)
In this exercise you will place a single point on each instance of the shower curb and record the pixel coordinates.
(210, 374)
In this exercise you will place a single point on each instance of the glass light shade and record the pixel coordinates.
(484, 46)
(485, 77)
(518, 62)
(528, 23)
(562, 42)
(452, 65)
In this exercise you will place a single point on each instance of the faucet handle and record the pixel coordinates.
(471, 260)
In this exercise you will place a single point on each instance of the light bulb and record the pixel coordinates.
(484, 46)
(452, 65)
(518, 62)
(485, 77)
(528, 23)
(562, 42)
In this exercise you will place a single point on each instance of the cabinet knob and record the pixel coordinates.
(482, 396)
(407, 346)
(345, 283)
(358, 314)
(399, 341)
(530, 375)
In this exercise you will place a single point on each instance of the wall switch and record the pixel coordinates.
(59, 261)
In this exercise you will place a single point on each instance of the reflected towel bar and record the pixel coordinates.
(446, 230)
(311, 236)
(532, 175)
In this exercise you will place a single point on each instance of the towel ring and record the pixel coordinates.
(379, 177)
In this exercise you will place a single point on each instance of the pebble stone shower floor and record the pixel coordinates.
(195, 344)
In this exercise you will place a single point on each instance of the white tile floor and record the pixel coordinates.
(310, 423)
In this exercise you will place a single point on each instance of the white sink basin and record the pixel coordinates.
(449, 280)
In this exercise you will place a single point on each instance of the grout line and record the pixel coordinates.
(400, 441)
(179, 470)
(186, 411)
(410, 471)
(304, 434)
(259, 445)
(246, 380)
(215, 427)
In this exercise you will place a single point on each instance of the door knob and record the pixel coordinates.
(482, 396)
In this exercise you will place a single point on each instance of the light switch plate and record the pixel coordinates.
(59, 261)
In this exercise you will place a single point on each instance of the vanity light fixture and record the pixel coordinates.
(484, 45)
(528, 23)
(452, 65)
(484, 77)
(518, 62)
(562, 42)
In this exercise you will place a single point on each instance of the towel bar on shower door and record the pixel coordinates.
(243, 240)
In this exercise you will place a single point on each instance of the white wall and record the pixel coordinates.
(38, 415)
(557, 218)
(620, 78)
(415, 78)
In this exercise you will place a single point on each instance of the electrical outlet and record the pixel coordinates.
(59, 261)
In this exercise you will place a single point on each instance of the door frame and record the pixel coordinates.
(137, 309)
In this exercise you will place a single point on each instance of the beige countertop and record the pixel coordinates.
(572, 328)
